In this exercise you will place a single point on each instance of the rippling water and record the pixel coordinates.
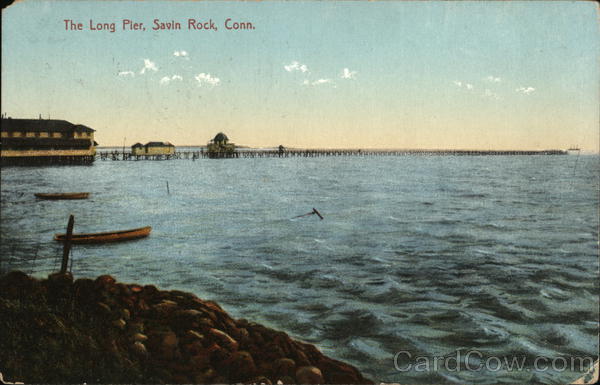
(431, 255)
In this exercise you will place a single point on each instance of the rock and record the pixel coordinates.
(139, 348)
(134, 327)
(59, 286)
(262, 380)
(232, 329)
(242, 367)
(339, 373)
(181, 379)
(169, 341)
(244, 338)
(273, 351)
(150, 290)
(17, 284)
(205, 377)
(103, 310)
(309, 375)
(286, 380)
(164, 344)
(242, 322)
(164, 308)
(284, 367)
(84, 289)
(205, 323)
(125, 314)
(193, 348)
(123, 290)
(224, 339)
(192, 313)
(200, 361)
(105, 280)
(193, 335)
(185, 319)
(218, 356)
(141, 306)
(65, 279)
(301, 359)
(106, 331)
(214, 306)
(119, 324)
(139, 337)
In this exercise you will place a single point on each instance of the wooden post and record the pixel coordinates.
(67, 245)
(168, 192)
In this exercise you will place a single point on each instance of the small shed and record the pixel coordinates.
(153, 148)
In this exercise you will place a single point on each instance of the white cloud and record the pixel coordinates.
(296, 66)
(203, 78)
(347, 74)
(166, 80)
(490, 94)
(126, 73)
(460, 84)
(306, 82)
(321, 81)
(493, 79)
(525, 90)
(148, 65)
(180, 53)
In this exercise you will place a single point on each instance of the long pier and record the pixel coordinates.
(311, 153)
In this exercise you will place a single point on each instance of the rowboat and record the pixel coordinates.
(71, 195)
(106, 237)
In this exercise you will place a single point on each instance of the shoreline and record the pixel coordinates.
(101, 331)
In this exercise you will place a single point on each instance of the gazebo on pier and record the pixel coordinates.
(220, 147)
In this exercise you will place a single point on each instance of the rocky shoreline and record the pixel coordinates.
(58, 330)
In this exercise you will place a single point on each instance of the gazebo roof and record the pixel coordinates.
(220, 137)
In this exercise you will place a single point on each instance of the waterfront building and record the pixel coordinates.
(220, 147)
(45, 141)
(153, 148)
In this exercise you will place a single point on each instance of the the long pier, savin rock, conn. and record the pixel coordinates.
(313, 153)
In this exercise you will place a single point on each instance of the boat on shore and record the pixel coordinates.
(106, 237)
(57, 196)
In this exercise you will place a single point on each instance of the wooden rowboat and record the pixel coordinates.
(71, 195)
(109, 236)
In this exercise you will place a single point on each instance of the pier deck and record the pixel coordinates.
(311, 153)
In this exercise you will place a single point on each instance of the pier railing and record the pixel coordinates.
(310, 153)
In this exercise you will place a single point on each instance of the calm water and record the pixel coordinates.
(431, 255)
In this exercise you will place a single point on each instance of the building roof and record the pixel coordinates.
(46, 125)
(138, 144)
(159, 144)
(220, 137)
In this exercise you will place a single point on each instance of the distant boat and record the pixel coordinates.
(55, 196)
(106, 237)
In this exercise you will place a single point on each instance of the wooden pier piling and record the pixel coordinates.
(67, 245)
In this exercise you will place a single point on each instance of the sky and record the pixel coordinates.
(352, 74)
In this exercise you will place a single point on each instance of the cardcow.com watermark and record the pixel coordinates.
(474, 360)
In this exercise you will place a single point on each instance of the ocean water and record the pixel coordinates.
(417, 256)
